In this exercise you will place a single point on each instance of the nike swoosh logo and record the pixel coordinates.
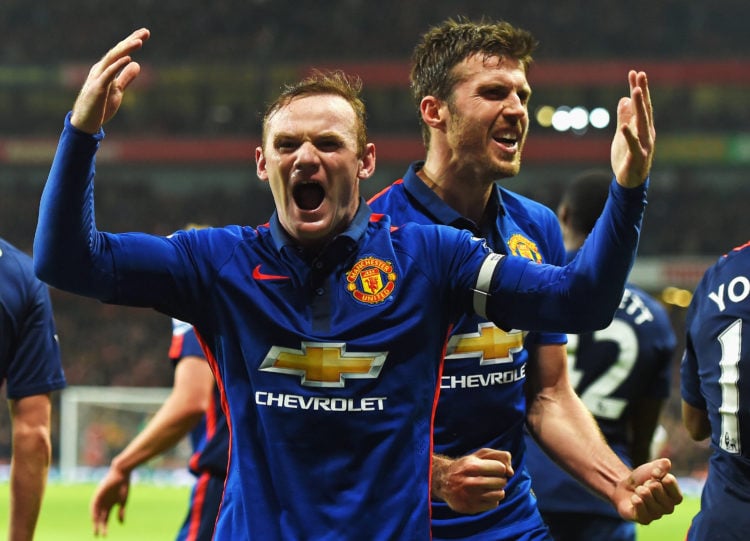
(263, 276)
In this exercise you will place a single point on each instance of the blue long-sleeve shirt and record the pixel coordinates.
(329, 367)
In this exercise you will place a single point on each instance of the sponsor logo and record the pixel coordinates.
(490, 344)
(258, 275)
(371, 280)
(521, 246)
(470, 381)
(323, 364)
(319, 403)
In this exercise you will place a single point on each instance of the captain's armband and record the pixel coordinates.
(484, 283)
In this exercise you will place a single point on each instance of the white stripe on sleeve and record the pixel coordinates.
(484, 281)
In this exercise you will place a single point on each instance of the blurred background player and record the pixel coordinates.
(31, 368)
(193, 407)
(715, 388)
(622, 374)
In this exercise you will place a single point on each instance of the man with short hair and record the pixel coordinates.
(469, 83)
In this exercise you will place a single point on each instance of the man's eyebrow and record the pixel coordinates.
(283, 136)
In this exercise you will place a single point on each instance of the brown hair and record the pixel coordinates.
(335, 83)
(444, 46)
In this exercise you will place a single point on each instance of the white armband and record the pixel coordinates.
(484, 282)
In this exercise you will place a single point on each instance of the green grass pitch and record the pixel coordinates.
(154, 513)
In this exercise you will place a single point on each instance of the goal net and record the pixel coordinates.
(97, 422)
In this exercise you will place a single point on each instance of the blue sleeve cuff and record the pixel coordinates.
(82, 134)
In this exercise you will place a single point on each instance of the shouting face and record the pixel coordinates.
(310, 158)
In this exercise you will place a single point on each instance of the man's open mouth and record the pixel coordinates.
(308, 195)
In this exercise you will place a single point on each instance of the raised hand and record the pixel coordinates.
(101, 94)
(632, 151)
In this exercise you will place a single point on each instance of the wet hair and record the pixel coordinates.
(584, 199)
(444, 46)
(335, 83)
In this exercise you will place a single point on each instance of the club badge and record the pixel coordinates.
(371, 280)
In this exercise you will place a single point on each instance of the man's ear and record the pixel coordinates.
(367, 162)
(431, 110)
(260, 164)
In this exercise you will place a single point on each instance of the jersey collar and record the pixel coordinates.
(438, 209)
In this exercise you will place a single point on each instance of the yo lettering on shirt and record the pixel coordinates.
(734, 291)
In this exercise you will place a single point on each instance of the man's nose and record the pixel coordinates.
(513, 105)
(307, 155)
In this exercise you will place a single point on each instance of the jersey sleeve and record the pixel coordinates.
(128, 268)
(34, 365)
(579, 297)
(690, 383)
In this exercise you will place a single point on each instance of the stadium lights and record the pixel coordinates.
(676, 296)
(576, 119)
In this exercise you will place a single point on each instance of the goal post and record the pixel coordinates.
(97, 422)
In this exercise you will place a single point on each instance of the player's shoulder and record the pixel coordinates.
(16, 266)
(518, 204)
(391, 200)
(427, 232)
(730, 265)
(394, 188)
(419, 239)
(13, 256)
(737, 257)
(225, 237)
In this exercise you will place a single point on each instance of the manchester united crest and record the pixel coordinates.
(521, 246)
(371, 280)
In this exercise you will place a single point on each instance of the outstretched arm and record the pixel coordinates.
(566, 430)
(515, 292)
(187, 403)
(69, 252)
(585, 295)
(66, 238)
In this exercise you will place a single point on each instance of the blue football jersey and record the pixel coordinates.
(210, 438)
(715, 377)
(29, 349)
(482, 401)
(610, 369)
(328, 366)
(210, 448)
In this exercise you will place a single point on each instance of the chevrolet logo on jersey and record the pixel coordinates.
(492, 345)
(323, 364)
